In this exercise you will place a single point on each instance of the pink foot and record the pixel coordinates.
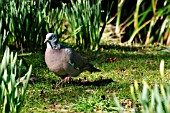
(66, 79)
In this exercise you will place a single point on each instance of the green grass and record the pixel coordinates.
(95, 92)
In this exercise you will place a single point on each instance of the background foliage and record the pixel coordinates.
(27, 22)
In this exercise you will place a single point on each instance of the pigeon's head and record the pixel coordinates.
(51, 40)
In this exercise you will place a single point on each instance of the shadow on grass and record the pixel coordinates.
(75, 82)
(101, 82)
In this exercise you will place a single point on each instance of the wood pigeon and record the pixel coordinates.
(64, 61)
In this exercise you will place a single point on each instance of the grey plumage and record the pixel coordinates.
(64, 61)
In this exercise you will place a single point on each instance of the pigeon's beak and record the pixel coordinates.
(45, 40)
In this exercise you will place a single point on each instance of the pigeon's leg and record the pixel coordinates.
(64, 80)
(67, 78)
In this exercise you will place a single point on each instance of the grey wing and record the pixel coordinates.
(72, 66)
(76, 60)
(79, 64)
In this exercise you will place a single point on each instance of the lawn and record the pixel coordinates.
(92, 92)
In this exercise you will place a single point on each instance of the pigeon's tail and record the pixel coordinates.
(91, 68)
